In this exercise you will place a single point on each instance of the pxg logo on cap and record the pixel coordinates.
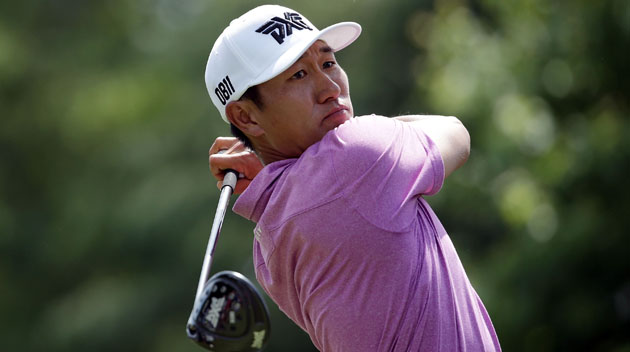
(280, 28)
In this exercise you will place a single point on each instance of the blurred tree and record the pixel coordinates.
(107, 201)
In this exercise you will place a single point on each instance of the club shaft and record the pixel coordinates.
(229, 182)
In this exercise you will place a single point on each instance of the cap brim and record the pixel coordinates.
(337, 36)
(340, 35)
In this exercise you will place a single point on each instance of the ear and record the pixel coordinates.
(242, 114)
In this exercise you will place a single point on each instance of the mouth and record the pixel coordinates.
(336, 112)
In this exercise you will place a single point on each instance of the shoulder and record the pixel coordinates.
(362, 139)
(379, 148)
(365, 130)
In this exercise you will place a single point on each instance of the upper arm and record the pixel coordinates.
(450, 136)
(384, 166)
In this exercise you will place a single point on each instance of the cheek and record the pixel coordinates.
(294, 109)
(285, 118)
(343, 83)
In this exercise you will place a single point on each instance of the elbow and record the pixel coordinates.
(465, 145)
(463, 142)
(460, 146)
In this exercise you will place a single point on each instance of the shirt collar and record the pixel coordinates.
(252, 203)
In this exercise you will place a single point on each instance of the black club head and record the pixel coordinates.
(230, 315)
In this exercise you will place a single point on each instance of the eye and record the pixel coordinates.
(328, 64)
(299, 75)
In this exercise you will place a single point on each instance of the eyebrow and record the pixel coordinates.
(323, 49)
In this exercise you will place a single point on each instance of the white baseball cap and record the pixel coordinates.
(261, 44)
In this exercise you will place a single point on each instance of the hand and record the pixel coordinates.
(236, 157)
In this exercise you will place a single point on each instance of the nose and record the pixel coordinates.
(327, 87)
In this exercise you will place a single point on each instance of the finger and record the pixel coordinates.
(245, 162)
(219, 163)
(214, 168)
(236, 148)
(223, 143)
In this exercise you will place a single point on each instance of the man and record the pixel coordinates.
(344, 243)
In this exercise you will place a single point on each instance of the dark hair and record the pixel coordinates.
(252, 94)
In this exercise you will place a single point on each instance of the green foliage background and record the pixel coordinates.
(106, 199)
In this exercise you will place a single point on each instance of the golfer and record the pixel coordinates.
(344, 241)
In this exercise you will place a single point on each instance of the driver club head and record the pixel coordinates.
(230, 315)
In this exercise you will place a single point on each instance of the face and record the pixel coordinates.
(302, 104)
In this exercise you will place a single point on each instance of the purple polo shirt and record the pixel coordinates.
(351, 252)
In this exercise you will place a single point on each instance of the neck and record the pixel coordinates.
(266, 153)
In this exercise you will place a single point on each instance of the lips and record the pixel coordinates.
(335, 111)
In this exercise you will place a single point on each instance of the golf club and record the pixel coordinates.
(229, 314)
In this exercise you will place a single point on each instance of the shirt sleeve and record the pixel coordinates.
(384, 165)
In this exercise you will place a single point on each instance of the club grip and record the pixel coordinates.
(230, 179)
